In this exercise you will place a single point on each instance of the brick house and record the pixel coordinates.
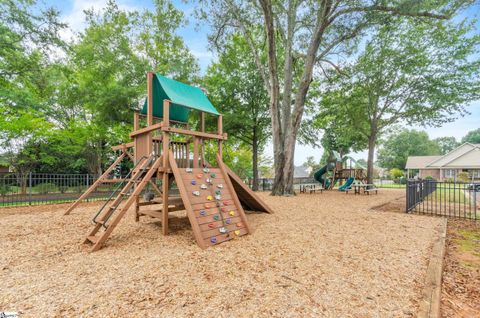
(465, 158)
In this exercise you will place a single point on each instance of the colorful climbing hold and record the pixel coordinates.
(211, 225)
(196, 193)
(237, 232)
(218, 204)
(203, 212)
(228, 221)
(194, 182)
(189, 170)
(218, 192)
(220, 186)
(224, 209)
(232, 213)
(216, 217)
(214, 239)
(203, 186)
(208, 180)
(206, 170)
(199, 176)
(213, 175)
(210, 198)
(226, 202)
(223, 230)
(207, 205)
(239, 224)
(218, 197)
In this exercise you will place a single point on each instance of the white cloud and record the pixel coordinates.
(76, 17)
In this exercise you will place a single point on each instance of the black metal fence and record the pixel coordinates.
(265, 184)
(451, 199)
(41, 188)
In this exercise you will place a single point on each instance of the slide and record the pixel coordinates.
(347, 184)
(319, 174)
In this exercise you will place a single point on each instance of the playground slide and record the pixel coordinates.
(319, 174)
(347, 184)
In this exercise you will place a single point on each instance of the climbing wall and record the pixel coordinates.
(212, 205)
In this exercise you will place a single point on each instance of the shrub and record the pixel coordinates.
(429, 178)
(463, 176)
(396, 173)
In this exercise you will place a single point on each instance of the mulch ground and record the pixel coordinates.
(328, 255)
(461, 277)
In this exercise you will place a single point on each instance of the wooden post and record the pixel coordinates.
(220, 132)
(195, 152)
(136, 121)
(149, 98)
(202, 145)
(165, 183)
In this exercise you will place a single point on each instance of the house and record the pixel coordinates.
(4, 165)
(465, 158)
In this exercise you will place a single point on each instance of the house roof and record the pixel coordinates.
(183, 98)
(420, 162)
(465, 156)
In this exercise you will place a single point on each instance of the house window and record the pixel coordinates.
(475, 174)
(449, 173)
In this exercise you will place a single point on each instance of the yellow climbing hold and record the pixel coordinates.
(209, 198)
(237, 232)
(232, 213)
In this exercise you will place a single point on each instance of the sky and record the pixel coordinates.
(195, 36)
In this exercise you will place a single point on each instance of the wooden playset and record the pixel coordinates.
(340, 173)
(167, 152)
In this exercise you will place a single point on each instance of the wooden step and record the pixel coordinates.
(92, 238)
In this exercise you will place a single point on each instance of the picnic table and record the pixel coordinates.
(367, 188)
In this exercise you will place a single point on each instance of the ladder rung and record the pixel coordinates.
(92, 238)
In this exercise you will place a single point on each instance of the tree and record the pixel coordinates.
(472, 136)
(300, 35)
(398, 147)
(311, 165)
(410, 72)
(446, 144)
(233, 83)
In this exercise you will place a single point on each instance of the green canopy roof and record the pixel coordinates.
(183, 98)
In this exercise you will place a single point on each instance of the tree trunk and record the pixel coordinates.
(372, 140)
(255, 162)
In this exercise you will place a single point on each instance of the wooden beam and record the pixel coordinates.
(123, 146)
(146, 130)
(149, 98)
(136, 121)
(194, 133)
(166, 157)
(195, 152)
(220, 132)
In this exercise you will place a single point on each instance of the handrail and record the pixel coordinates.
(94, 219)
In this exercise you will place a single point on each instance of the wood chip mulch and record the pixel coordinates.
(327, 255)
(461, 276)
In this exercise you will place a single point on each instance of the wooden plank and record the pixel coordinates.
(186, 201)
(123, 146)
(223, 238)
(229, 227)
(209, 218)
(229, 185)
(217, 224)
(194, 133)
(246, 195)
(145, 130)
(95, 184)
(166, 152)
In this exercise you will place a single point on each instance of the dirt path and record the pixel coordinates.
(324, 255)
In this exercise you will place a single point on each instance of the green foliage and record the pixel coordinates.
(396, 173)
(472, 137)
(429, 178)
(463, 176)
(396, 149)
(446, 144)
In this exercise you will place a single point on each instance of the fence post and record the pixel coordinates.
(88, 183)
(30, 188)
(406, 196)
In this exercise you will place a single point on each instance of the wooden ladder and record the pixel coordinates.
(147, 167)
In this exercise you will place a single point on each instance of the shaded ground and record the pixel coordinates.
(326, 255)
(461, 277)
